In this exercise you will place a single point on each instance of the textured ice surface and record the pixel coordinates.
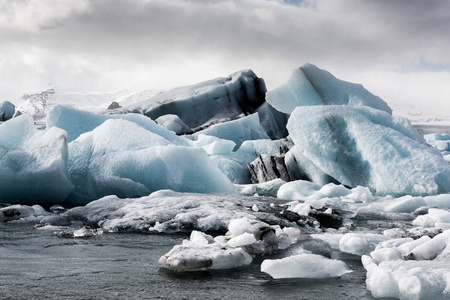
(208, 102)
(7, 110)
(168, 211)
(360, 243)
(33, 163)
(269, 188)
(238, 131)
(122, 158)
(76, 122)
(309, 85)
(22, 213)
(411, 269)
(304, 266)
(367, 147)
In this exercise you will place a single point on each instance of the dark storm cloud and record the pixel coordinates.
(117, 43)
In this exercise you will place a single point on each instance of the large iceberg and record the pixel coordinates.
(309, 85)
(208, 102)
(368, 147)
(33, 163)
(122, 158)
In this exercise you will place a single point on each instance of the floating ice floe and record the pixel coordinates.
(367, 147)
(33, 163)
(304, 266)
(168, 211)
(245, 237)
(309, 85)
(417, 269)
(22, 213)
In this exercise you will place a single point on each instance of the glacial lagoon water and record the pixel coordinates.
(36, 264)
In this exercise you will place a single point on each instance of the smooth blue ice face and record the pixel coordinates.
(309, 85)
(33, 163)
(76, 122)
(125, 159)
(367, 147)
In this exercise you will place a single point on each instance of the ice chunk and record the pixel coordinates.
(242, 240)
(367, 147)
(390, 275)
(7, 110)
(297, 190)
(304, 266)
(309, 85)
(208, 102)
(269, 188)
(360, 243)
(433, 218)
(191, 256)
(122, 158)
(213, 145)
(238, 131)
(33, 163)
(173, 123)
(76, 122)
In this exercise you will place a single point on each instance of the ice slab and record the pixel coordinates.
(208, 102)
(122, 158)
(168, 211)
(33, 163)
(304, 266)
(366, 147)
(309, 85)
(360, 243)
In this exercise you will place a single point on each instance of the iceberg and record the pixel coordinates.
(173, 123)
(366, 147)
(33, 163)
(209, 102)
(309, 85)
(122, 158)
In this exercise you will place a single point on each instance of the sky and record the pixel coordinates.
(399, 50)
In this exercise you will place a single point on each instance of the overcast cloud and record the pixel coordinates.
(399, 50)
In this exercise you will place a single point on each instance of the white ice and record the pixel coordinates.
(304, 266)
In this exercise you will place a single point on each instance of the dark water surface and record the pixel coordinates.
(36, 264)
